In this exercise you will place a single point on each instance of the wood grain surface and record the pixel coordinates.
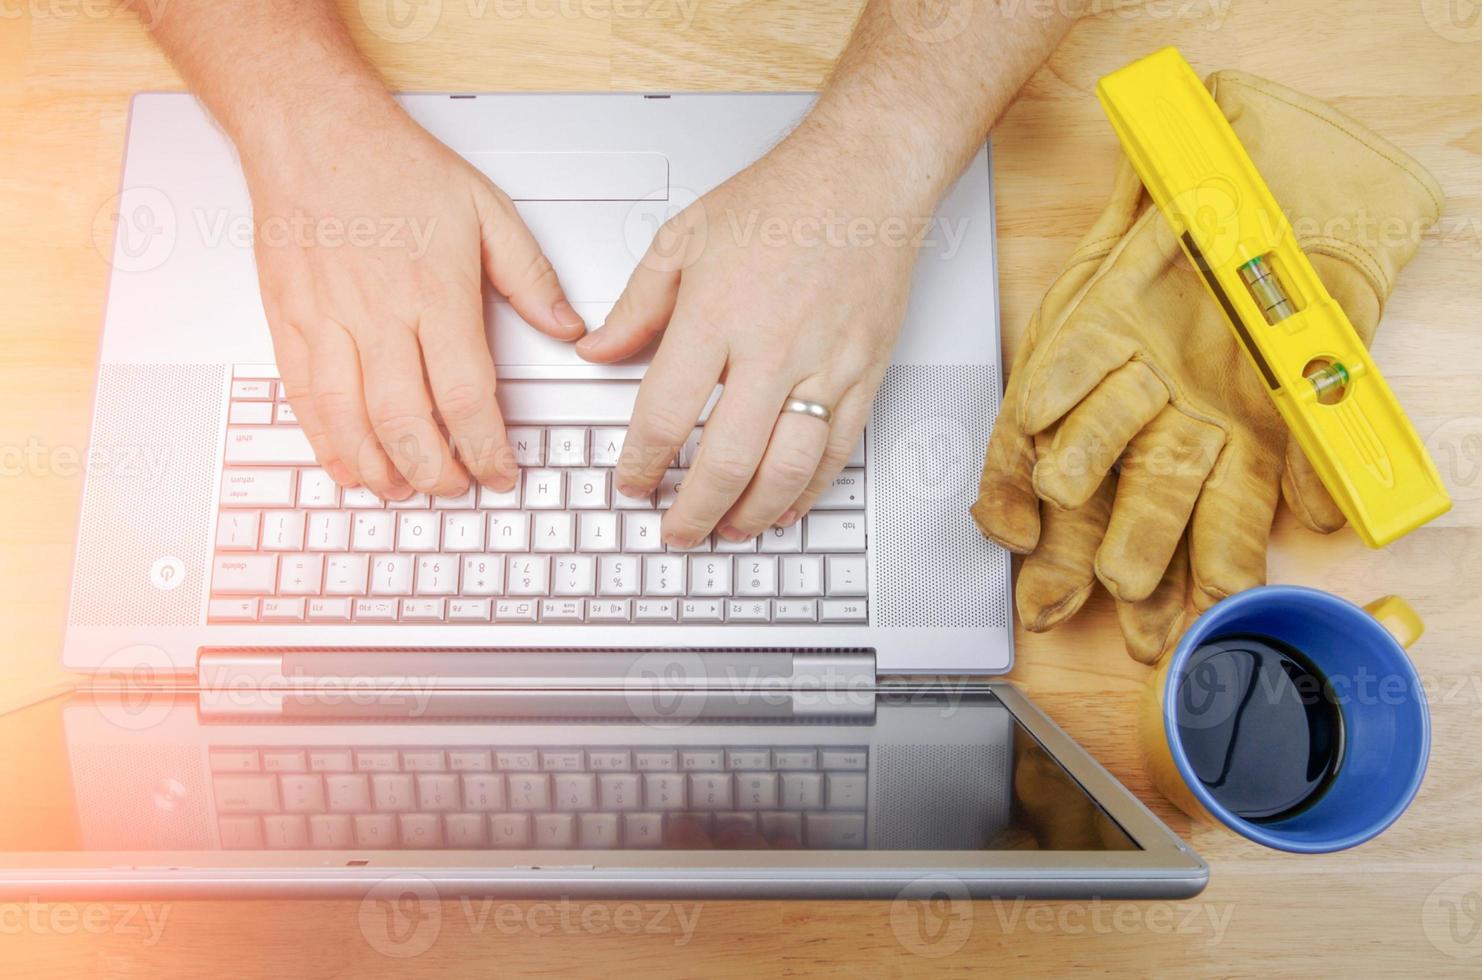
(1406, 904)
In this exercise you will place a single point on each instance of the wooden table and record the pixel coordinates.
(1408, 68)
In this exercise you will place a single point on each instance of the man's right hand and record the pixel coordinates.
(373, 240)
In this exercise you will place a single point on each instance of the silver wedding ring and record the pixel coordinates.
(803, 407)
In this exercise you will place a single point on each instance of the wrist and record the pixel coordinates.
(289, 127)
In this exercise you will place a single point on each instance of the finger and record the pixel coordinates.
(1305, 494)
(1007, 509)
(1151, 628)
(520, 271)
(291, 352)
(339, 400)
(1090, 439)
(679, 381)
(461, 372)
(1057, 578)
(401, 413)
(1160, 479)
(1231, 526)
(792, 457)
(735, 438)
(846, 427)
(640, 314)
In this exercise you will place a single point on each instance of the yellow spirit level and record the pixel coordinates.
(1319, 373)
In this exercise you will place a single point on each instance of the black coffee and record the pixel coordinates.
(1259, 726)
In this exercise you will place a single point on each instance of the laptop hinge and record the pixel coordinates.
(647, 684)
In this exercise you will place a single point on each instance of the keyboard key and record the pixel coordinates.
(240, 833)
(375, 830)
(641, 532)
(619, 791)
(510, 829)
(391, 575)
(244, 574)
(749, 611)
(509, 531)
(437, 575)
(664, 791)
(655, 760)
(417, 531)
(257, 488)
(514, 611)
(346, 574)
(285, 414)
(597, 830)
(464, 830)
(609, 610)
(669, 487)
(846, 575)
(621, 502)
(329, 610)
(835, 531)
(469, 610)
(857, 454)
(544, 489)
(331, 831)
(376, 760)
(463, 531)
(846, 791)
(555, 830)
(463, 501)
(802, 790)
(421, 829)
(251, 413)
(575, 575)
(843, 611)
(328, 531)
(710, 791)
(617, 575)
(725, 547)
(696, 760)
(795, 758)
(780, 540)
(285, 832)
(256, 389)
(528, 444)
(529, 791)
(756, 575)
(710, 576)
(701, 610)
(609, 760)
(795, 611)
(375, 610)
(283, 530)
(284, 760)
(846, 492)
(300, 574)
(528, 576)
(607, 446)
(276, 445)
(417, 501)
(317, 488)
(302, 793)
(360, 498)
(245, 794)
(518, 760)
(373, 531)
(597, 532)
(237, 530)
(437, 791)
(691, 448)
(562, 611)
(282, 610)
(835, 830)
(587, 489)
(782, 829)
(643, 830)
(470, 760)
(748, 759)
(232, 610)
(576, 790)
(856, 759)
(663, 575)
(553, 532)
(566, 446)
(392, 791)
(562, 760)
(483, 791)
(655, 611)
(483, 575)
(233, 760)
(422, 610)
(802, 575)
(500, 499)
(331, 760)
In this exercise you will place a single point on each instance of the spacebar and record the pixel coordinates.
(283, 445)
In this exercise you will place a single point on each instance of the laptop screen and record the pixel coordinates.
(921, 771)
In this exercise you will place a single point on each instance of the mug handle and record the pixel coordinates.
(1399, 617)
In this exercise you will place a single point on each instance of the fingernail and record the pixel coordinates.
(399, 491)
(566, 316)
(338, 472)
(732, 534)
(788, 518)
(630, 490)
(593, 340)
(675, 540)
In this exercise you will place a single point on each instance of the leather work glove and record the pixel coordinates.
(1137, 445)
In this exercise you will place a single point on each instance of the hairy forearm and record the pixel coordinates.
(922, 81)
(267, 69)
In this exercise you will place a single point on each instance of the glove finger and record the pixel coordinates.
(1055, 581)
(1231, 525)
(1305, 494)
(1160, 479)
(1090, 440)
(1151, 628)
(1007, 511)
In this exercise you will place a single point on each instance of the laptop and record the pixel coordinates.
(525, 690)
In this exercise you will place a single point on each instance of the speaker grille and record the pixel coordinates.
(141, 797)
(941, 797)
(933, 568)
(148, 495)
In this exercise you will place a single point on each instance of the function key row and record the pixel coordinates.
(554, 611)
(528, 759)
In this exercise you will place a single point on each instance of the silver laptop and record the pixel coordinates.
(355, 686)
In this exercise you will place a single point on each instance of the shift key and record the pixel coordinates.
(279, 444)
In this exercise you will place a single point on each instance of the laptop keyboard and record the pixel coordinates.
(562, 547)
(540, 798)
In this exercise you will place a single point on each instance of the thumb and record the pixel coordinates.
(520, 271)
